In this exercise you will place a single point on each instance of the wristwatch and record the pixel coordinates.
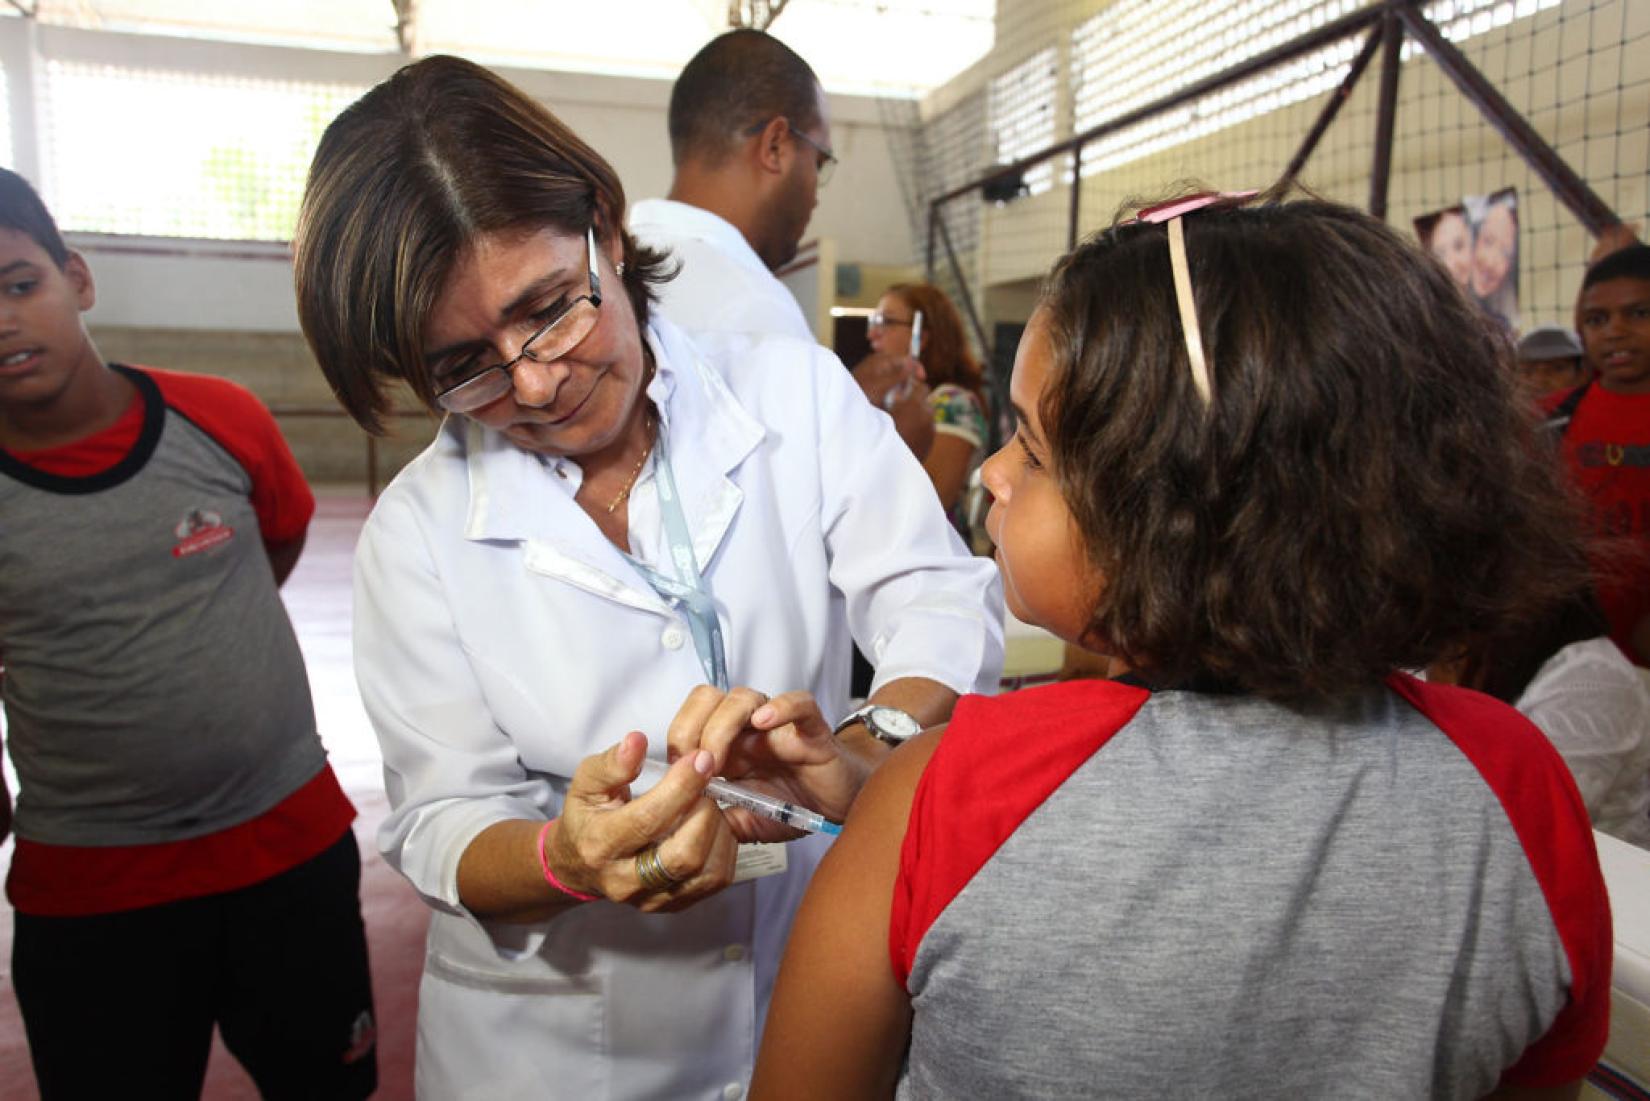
(886, 724)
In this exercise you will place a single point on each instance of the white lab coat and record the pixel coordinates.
(500, 639)
(724, 287)
(1593, 705)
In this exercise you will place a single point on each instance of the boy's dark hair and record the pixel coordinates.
(1365, 492)
(22, 210)
(1632, 262)
(739, 80)
(404, 180)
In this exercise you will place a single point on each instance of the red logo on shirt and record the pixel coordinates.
(201, 529)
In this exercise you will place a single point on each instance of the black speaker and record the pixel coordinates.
(1005, 188)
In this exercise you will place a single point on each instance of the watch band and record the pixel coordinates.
(850, 719)
(900, 725)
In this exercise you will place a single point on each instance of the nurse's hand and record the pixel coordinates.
(610, 844)
(782, 746)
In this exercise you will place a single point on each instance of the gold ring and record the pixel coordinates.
(651, 870)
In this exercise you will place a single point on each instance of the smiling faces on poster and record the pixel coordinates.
(1448, 237)
(1495, 253)
(1477, 243)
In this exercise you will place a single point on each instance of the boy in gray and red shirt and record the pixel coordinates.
(184, 854)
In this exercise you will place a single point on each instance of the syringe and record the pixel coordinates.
(732, 795)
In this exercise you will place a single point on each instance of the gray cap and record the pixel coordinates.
(1548, 342)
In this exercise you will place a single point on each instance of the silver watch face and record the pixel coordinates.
(891, 724)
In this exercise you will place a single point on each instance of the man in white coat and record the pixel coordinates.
(750, 137)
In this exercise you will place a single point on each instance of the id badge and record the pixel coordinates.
(757, 859)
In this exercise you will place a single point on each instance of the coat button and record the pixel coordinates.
(733, 953)
(672, 638)
(733, 1091)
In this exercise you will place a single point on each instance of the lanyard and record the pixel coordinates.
(687, 589)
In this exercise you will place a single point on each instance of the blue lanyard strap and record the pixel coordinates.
(687, 589)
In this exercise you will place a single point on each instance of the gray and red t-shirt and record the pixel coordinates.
(154, 689)
(1107, 891)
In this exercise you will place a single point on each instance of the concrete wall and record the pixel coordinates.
(227, 307)
(277, 367)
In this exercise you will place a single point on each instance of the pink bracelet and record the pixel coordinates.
(550, 876)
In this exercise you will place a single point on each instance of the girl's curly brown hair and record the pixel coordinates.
(1363, 493)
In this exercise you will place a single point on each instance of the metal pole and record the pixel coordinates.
(1305, 44)
(964, 293)
(1076, 196)
(933, 218)
(1331, 109)
(1386, 114)
(1570, 188)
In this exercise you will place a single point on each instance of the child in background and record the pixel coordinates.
(184, 853)
(1605, 427)
(1264, 863)
(1550, 359)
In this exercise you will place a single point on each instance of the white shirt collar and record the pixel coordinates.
(682, 219)
(506, 483)
(659, 388)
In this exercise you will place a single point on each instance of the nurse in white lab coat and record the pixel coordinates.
(619, 539)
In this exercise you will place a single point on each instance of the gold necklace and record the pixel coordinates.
(647, 427)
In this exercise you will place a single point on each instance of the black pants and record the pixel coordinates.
(123, 1004)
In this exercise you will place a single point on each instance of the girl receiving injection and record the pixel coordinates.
(1266, 457)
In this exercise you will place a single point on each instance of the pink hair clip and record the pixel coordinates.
(1176, 208)
(1172, 212)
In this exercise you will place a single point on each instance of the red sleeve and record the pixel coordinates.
(1550, 402)
(1546, 812)
(242, 426)
(1035, 739)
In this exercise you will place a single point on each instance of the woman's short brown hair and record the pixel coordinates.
(1364, 492)
(404, 180)
(945, 354)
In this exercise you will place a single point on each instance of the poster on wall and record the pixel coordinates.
(1477, 242)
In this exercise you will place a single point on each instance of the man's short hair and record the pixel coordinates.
(741, 79)
(22, 210)
(1632, 262)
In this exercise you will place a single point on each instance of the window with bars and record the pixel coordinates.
(1138, 51)
(8, 155)
(174, 154)
(1021, 113)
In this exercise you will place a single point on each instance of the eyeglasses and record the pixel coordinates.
(827, 159)
(826, 163)
(883, 321)
(563, 331)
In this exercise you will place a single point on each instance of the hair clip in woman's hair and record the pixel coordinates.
(1172, 212)
(1186, 204)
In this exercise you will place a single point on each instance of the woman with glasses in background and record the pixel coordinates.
(954, 380)
(619, 542)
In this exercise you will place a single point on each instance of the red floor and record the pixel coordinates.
(318, 597)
